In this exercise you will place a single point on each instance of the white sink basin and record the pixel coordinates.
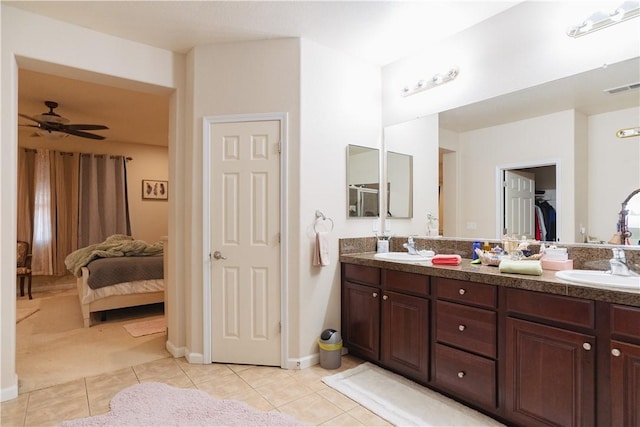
(599, 278)
(404, 256)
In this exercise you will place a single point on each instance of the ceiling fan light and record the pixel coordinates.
(51, 134)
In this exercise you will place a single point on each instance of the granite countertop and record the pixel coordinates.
(490, 275)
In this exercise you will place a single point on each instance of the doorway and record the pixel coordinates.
(74, 94)
(529, 201)
(244, 289)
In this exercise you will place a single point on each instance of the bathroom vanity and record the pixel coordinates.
(527, 350)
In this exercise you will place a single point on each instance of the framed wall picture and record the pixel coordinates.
(152, 189)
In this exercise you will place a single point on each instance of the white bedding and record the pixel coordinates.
(138, 287)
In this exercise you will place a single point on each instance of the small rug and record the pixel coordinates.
(401, 401)
(146, 327)
(23, 313)
(158, 404)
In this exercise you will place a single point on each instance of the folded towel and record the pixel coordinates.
(321, 250)
(533, 268)
(442, 259)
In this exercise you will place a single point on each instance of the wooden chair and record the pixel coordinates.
(24, 266)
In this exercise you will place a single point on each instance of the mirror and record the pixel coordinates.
(399, 185)
(363, 181)
(588, 202)
(629, 222)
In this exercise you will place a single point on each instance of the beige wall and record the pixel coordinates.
(331, 101)
(541, 140)
(614, 170)
(148, 217)
(340, 105)
(597, 169)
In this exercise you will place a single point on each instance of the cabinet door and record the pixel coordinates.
(361, 320)
(550, 378)
(625, 384)
(405, 334)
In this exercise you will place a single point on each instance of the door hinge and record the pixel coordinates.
(279, 326)
(279, 238)
(279, 147)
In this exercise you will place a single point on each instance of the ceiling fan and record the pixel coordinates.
(51, 122)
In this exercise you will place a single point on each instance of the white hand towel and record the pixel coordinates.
(321, 250)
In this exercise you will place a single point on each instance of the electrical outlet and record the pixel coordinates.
(472, 226)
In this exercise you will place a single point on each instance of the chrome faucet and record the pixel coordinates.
(618, 263)
(410, 246)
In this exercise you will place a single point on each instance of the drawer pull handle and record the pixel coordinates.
(462, 291)
(616, 352)
(586, 346)
(461, 374)
(375, 295)
(461, 328)
(385, 297)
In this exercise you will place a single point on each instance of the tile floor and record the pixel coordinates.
(300, 393)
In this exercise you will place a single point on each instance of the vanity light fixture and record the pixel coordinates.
(436, 80)
(600, 20)
(629, 132)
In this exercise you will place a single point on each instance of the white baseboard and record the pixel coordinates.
(11, 392)
(194, 358)
(303, 362)
(174, 350)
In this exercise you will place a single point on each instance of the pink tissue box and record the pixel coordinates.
(550, 264)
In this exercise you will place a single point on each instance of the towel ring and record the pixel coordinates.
(319, 220)
(321, 217)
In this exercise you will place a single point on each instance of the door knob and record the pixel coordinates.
(218, 255)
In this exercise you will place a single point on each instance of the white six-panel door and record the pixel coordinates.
(519, 201)
(245, 247)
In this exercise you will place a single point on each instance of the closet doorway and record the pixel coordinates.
(529, 201)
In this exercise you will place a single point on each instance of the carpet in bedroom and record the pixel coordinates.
(53, 347)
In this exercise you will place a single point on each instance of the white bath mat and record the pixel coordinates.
(401, 401)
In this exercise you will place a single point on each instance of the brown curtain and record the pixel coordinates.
(103, 207)
(54, 195)
(66, 167)
(26, 166)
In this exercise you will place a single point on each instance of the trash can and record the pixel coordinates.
(330, 343)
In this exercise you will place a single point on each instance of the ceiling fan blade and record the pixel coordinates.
(30, 126)
(31, 118)
(82, 134)
(85, 127)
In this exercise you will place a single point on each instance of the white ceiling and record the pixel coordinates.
(376, 31)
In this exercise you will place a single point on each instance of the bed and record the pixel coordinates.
(118, 273)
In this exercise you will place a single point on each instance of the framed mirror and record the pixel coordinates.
(363, 181)
(399, 185)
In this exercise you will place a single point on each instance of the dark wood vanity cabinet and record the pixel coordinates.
(625, 365)
(550, 360)
(465, 347)
(405, 323)
(528, 358)
(387, 322)
(361, 310)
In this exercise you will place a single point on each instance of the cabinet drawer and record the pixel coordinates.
(362, 274)
(625, 320)
(556, 308)
(471, 377)
(405, 282)
(469, 328)
(466, 292)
